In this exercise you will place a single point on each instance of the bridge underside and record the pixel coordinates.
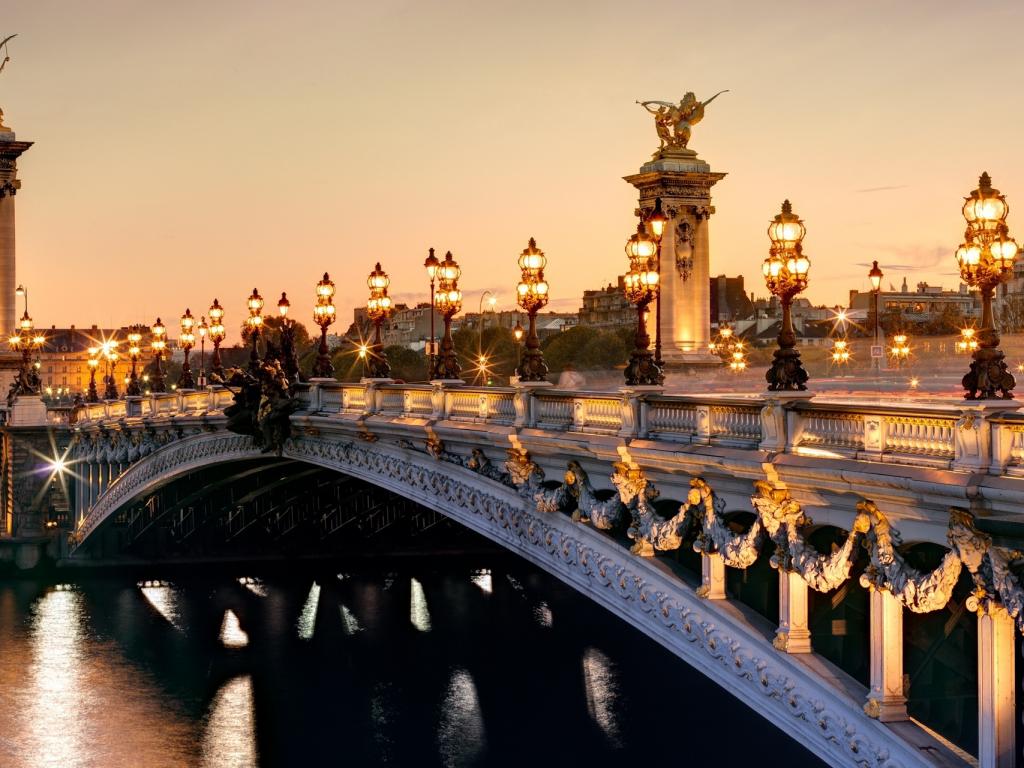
(265, 508)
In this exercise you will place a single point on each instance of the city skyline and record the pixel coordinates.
(260, 149)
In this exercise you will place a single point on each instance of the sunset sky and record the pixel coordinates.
(195, 149)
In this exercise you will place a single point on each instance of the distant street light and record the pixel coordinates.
(986, 259)
(187, 340)
(641, 287)
(91, 395)
(448, 301)
(323, 314)
(378, 309)
(785, 273)
(289, 361)
(109, 348)
(657, 221)
(900, 349)
(133, 388)
(204, 331)
(532, 296)
(159, 344)
(255, 322)
(517, 335)
(431, 264)
(875, 276)
(216, 336)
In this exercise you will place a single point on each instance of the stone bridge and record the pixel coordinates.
(659, 507)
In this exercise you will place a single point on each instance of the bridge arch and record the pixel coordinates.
(641, 591)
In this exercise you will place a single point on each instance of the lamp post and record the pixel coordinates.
(22, 291)
(448, 301)
(986, 260)
(159, 345)
(323, 315)
(641, 287)
(532, 297)
(186, 341)
(204, 331)
(289, 361)
(134, 351)
(378, 309)
(216, 336)
(875, 276)
(785, 273)
(431, 264)
(657, 221)
(517, 335)
(27, 382)
(110, 353)
(254, 322)
(480, 320)
(91, 395)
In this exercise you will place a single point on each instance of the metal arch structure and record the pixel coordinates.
(703, 633)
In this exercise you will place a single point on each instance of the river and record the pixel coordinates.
(430, 661)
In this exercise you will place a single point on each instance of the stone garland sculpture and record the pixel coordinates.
(920, 592)
(603, 515)
(738, 550)
(782, 518)
(994, 583)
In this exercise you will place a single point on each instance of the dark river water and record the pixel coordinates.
(419, 662)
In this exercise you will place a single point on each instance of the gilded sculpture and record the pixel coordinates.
(674, 122)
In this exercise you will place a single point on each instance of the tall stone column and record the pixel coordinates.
(10, 151)
(997, 635)
(886, 700)
(683, 182)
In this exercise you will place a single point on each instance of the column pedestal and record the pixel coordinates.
(712, 577)
(683, 182)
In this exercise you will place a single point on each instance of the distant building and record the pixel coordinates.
(64, 359)
(921, 305)
(729, 300)
(607, 307)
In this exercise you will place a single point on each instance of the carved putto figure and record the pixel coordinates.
(674, 122)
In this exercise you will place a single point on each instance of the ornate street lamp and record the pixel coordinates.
(204, 330)
(840, 352)
(159, 344)
(532, 297)
(133, 388)
(28, 382)
(186, 341)
(91, 395)
(378, 309)
(216, 336)
(448, 301)
(254, 323)
(641, 287)
(323, 315)
(431, 264)
(110, 353)
(785, 273)
(738, 359)
(986, 260)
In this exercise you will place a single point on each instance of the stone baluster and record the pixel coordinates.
(793, 635)
(438, 401)
(886, 699)
(996, 684)
(712, 576)
(1002, 448)
(703, 425)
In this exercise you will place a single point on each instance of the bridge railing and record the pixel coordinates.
(949, 435)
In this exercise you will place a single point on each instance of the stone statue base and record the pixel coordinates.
(27, 410)
(676, 360)
(675, 159)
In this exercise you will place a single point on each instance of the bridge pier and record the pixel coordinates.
(886, 699)
(997, 638)
(793, 635)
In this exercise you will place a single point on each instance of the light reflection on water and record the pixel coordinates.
(461, 732)
(229, 739)
(204, 673)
